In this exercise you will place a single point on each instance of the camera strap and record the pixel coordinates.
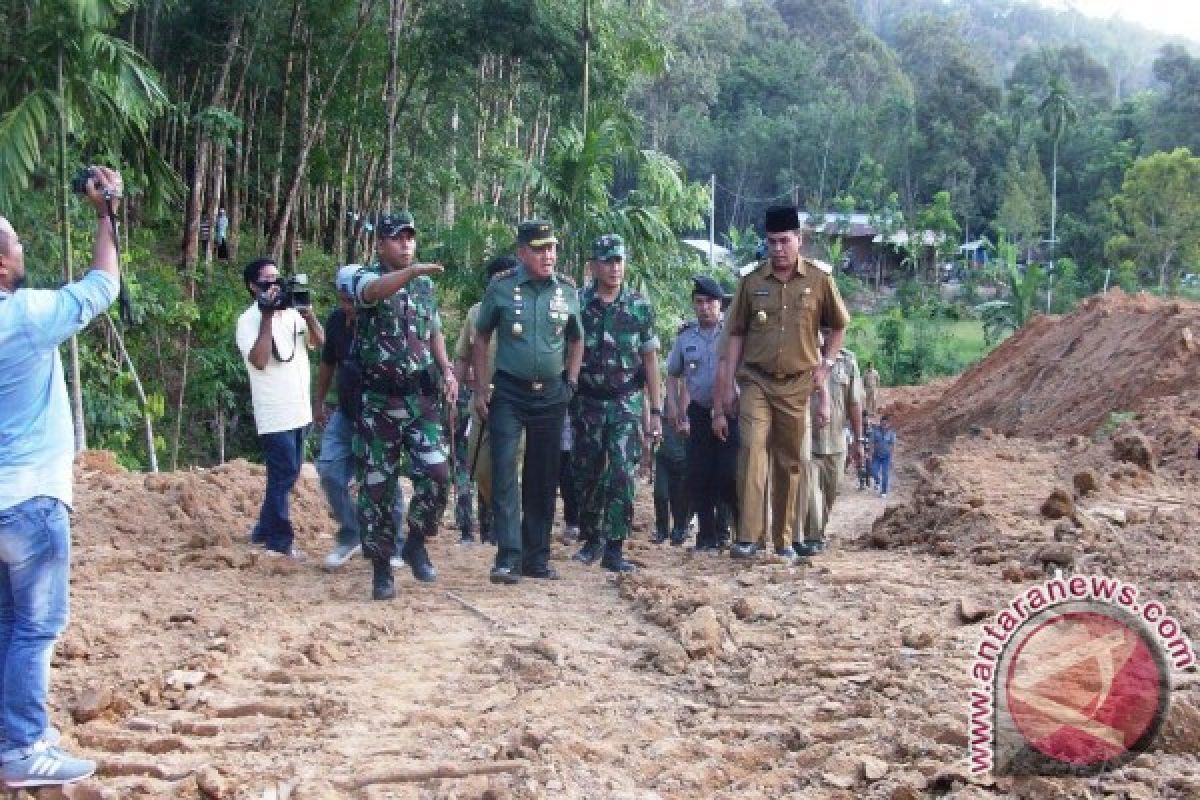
(275, 347)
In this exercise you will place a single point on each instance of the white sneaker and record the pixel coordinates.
(397, 561)
(46, 765)
(341, 554)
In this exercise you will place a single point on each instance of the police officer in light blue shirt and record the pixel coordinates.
(36, 452)
(691, 377)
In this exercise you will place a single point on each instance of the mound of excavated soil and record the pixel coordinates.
(1062, 375)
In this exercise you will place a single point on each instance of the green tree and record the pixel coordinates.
(1014, 311)
(77, 80)
(1159, 208)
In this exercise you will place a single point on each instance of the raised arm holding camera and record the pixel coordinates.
(35, 485)
(273, 334)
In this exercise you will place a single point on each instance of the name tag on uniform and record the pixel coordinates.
(762, 292)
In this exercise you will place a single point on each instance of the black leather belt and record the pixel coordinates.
(535, 387)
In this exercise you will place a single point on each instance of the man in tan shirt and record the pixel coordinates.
(871, 383)
(773, 355)
(844, 388)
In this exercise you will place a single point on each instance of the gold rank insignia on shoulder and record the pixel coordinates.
(499, 276)
(825, 267)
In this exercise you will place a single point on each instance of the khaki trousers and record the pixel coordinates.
(479, 459)
(773, 424)
(824, 473)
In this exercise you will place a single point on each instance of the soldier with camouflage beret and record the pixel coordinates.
(620, 357)
(399, 338)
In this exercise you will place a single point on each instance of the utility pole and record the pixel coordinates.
(712, 220)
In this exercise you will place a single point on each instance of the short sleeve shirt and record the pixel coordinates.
(615, 335)
(532, 321)
(694, 357)
(845, 386)
(780, 321)
(339, 340)
(279, 393)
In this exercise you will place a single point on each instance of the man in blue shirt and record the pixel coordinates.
(883, 441)
(36, 454)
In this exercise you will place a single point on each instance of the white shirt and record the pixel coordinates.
(281, 391)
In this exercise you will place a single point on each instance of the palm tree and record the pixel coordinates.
(75, 77)
(1058, 114)
(1010, 314)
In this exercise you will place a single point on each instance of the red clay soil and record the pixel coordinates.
(1063, 375)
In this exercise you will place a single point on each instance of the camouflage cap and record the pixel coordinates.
(390, 225)
(535, 233)
(610, 245)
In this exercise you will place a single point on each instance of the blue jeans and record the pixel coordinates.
(336, 468)
(35, 566)
(284, 455)
(881, 466)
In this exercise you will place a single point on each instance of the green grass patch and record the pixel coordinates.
(913, 350)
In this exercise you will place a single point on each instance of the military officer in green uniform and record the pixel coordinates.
(398, 341)
(620, 358)
(533, 312)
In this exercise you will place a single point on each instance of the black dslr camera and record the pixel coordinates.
(293, 293)
(79, 184)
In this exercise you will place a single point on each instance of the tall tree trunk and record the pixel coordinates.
(64, 206)
(143, 406)
(310, 132)
(587, 59)
(391, 99)
(277, 175)
(191, 230)
(237, 180)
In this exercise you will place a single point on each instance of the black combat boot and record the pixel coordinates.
(417, 558)
(613, 561)
(383, 586)
(589, 552)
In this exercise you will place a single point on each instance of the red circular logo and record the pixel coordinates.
(1085, 687)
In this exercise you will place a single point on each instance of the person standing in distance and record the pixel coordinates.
(533, 311)
(773, 328)
(36, 491)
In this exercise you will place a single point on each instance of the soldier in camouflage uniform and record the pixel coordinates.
(398, 340)
(620, 356)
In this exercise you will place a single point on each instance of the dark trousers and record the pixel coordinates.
(670, 495)
(284, 454)
(712, 472)
(567, 489)
(522, 523)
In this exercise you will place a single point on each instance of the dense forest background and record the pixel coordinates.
(1069, 143)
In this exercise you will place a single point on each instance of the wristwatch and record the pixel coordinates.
(656, 412)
